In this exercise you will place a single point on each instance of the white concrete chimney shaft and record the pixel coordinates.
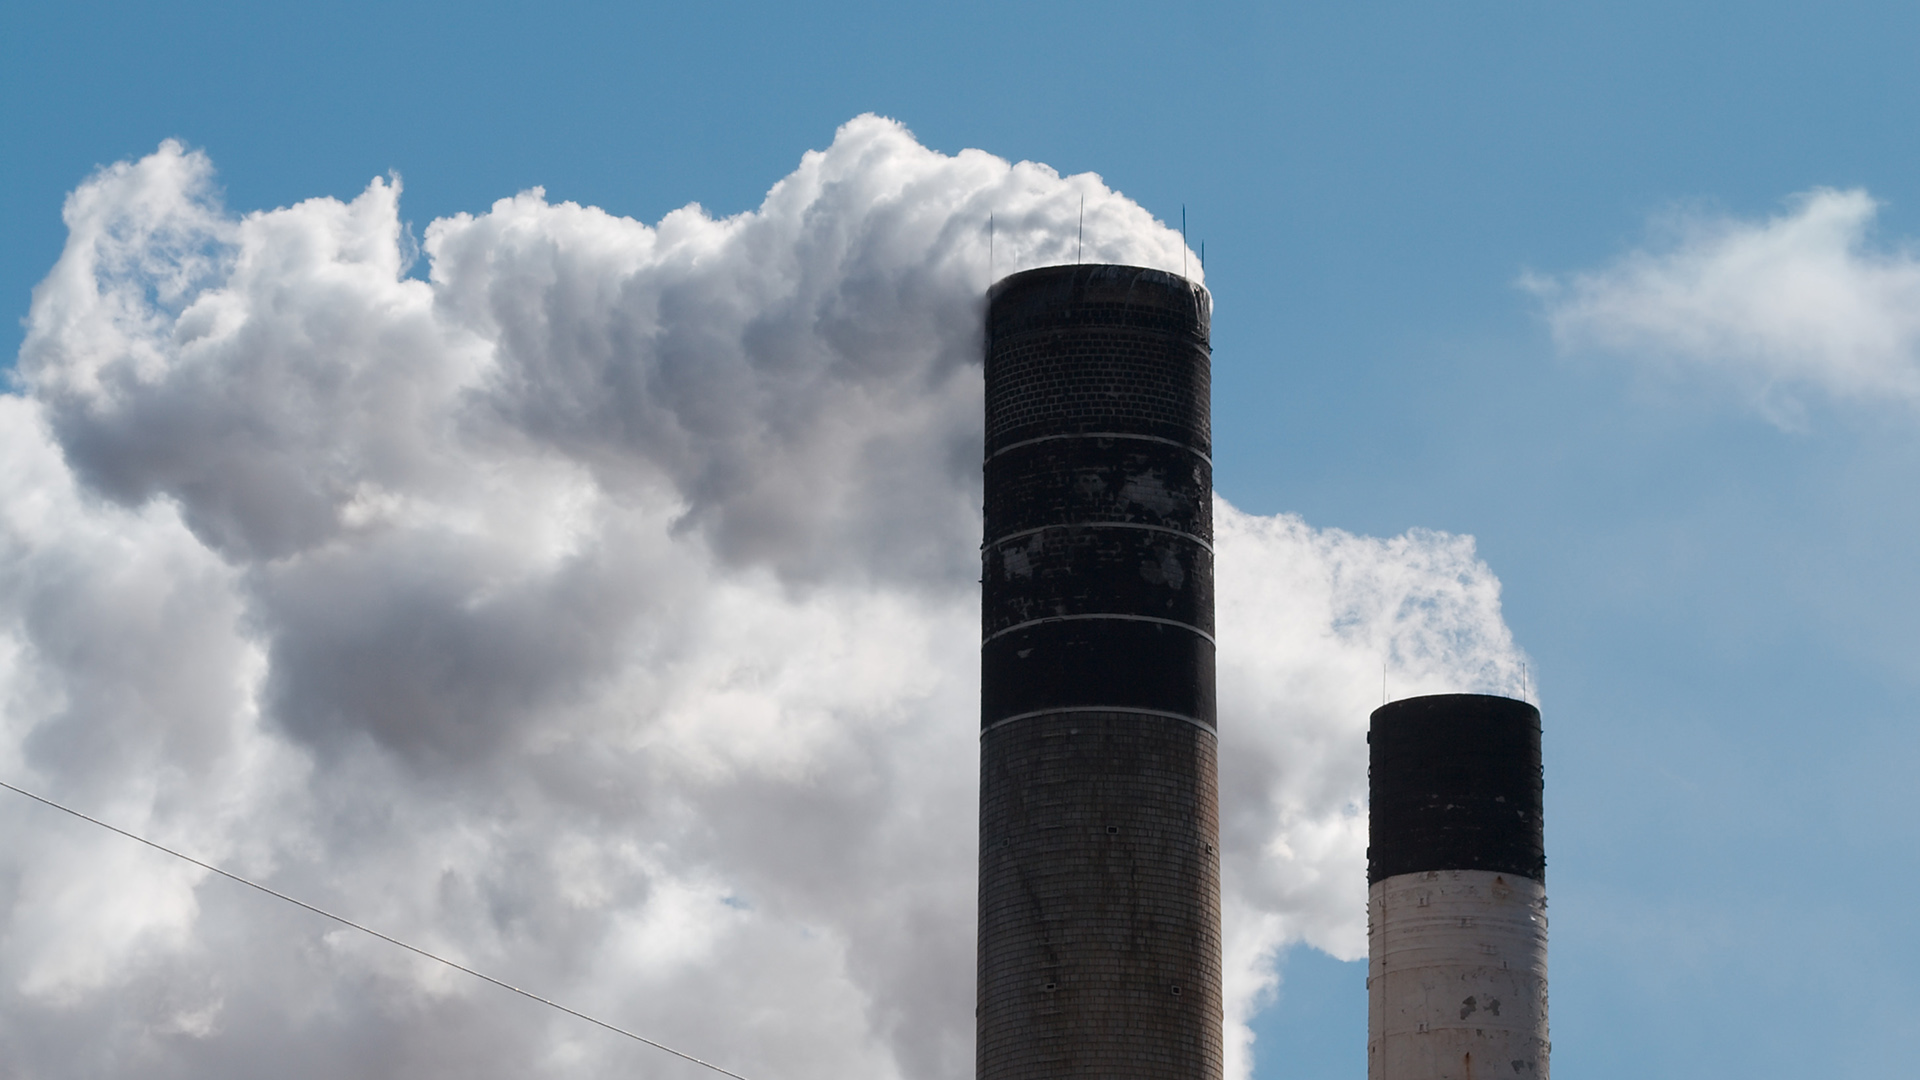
(1457, 977)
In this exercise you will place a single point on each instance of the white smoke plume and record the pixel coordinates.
(600, 611)
(1800, 300)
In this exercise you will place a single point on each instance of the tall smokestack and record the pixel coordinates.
(1099, 820)
(1456, 898)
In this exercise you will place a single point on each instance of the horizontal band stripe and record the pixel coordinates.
(1182, 533)
(1195, 451)
(1100, 615)
(1201, 724)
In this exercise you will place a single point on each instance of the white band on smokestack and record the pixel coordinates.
(1456, 905)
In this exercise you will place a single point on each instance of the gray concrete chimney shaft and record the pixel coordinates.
(1099, 869)
(1456, 900)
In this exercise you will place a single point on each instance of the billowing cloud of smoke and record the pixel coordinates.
(600, 611)
(1797, 300)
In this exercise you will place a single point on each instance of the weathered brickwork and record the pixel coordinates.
(1059, 480)
(1078, 569)
(1456, 785)
(1098, 348)
(1106, 663)
(1097, 566)
(1457, 977)
(1099, 381)
(1099, 900)
(1099, 876)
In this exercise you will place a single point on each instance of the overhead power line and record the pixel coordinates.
(415, 949)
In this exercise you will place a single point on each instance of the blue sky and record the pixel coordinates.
(1717, 589)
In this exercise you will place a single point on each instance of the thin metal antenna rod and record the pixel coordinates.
(989, 250)
(1081, 244)
(416, 950)
(1183, 239)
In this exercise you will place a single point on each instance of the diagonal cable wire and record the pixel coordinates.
(415, 949)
